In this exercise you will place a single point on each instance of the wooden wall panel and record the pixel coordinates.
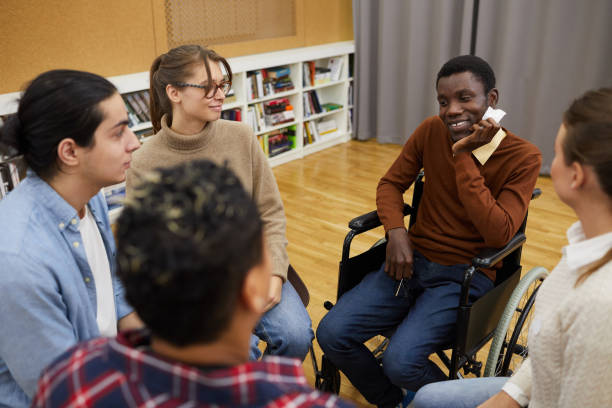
(110, 37)
(328, 21)
(115, 37)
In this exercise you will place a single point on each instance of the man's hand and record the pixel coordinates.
(398, 264)
(275, 293)
(500, 400)
(482, 134)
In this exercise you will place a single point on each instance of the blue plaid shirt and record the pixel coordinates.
(124, 372)
(47, 291)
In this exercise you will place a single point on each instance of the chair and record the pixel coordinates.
(476, 322)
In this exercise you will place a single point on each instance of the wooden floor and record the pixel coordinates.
(322, 192)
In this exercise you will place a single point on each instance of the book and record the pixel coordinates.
(315, 101)
(131, 100)
(259, 79)
(322, 75)
(230, 97)
(4, 185)
(335, 66)
(308, 133)
(144, 106)
(278, 72)
(330, 106)
(327, 126)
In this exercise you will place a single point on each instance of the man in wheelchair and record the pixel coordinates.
(480, 178)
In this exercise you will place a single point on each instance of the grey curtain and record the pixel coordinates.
(544, 54)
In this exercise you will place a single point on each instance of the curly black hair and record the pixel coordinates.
(469, 63)
(186, 240)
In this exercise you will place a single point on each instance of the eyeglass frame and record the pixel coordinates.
(214, 88)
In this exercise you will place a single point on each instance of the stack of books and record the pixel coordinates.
(232, 114)
(264, 82)
(278, 111)
(278, 141)
(137, 105)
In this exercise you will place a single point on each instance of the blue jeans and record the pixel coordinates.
(424, 320)
(286, 328)
(468, 393)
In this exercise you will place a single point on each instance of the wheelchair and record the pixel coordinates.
(501, 314)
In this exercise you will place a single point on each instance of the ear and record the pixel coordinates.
(67, 153)
(173, 93)
(492, 97)
(579, 176)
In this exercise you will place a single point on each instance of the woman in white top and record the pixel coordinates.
(569, 347)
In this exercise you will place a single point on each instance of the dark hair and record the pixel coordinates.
(173, 67)
(469, 63)
(56, 105)
(588, 140)
(186, 240)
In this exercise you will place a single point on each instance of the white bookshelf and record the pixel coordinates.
(335, 91)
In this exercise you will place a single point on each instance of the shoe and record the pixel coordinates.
(406, 399)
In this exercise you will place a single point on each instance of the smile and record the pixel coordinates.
(459, 124)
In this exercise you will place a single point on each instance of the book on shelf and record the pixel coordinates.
(278, 141)
(312, 104)
(137, 105)
(264, 82)
(4, 182)
(326, 127)
(307, 137)
(335, 66)
(278, 72)
(308, 70)
(278, 111)
(12, 171)
(232, 114)
(322, 75)
(328, 107)
(230, 97)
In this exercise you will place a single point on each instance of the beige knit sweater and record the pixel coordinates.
(570, 337)
(221, 141)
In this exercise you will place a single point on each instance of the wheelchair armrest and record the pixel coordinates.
(488, 257)
(370, 220)
(537, 192)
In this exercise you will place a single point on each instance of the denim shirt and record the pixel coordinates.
(47, 291)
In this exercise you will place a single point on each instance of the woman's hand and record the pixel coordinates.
(275, 293)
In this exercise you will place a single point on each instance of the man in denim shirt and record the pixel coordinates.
(58, 283)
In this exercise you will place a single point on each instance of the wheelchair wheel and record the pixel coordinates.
(509, 346)
(330, 377)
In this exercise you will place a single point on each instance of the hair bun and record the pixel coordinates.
(10, 135)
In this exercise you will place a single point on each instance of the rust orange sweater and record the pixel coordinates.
(465, 206)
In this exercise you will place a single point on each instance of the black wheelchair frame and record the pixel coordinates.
(476, 322)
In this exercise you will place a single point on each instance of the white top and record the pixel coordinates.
(570, 353)
(106, 316)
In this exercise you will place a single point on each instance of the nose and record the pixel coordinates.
(133, 142)
(454, 108)
(219, 94)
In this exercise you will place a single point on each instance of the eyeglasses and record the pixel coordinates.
(211, 90)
